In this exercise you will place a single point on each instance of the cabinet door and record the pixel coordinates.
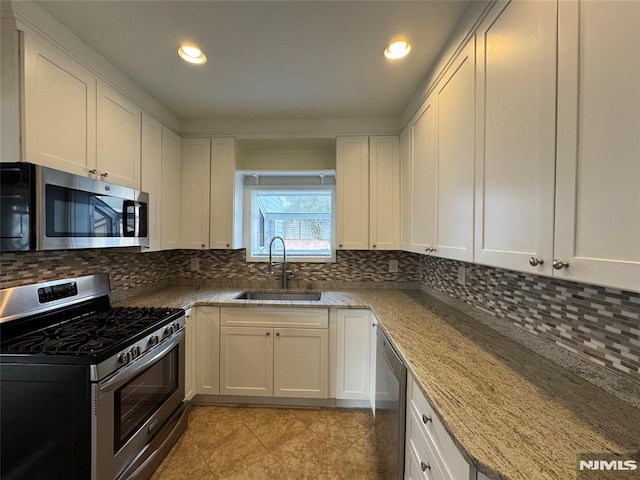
(171, 147)
(246, 361)
(353, 351)
(226, 213)
(423, 188)
(384, 193)
(598, 164)
(516, 85)
(352, 192)
(195, 178)
(300, 363)
(406, 184)
(455, 159)
(118, 133)
(151, 180)
(59, 109)
(207, 350)
(190, 360)
(373, 352)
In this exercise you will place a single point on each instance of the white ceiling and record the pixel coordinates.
(267, 59)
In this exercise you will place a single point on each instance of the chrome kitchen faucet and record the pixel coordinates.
(285, 272)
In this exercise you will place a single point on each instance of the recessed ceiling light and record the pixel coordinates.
(397, 50)
(191, 53)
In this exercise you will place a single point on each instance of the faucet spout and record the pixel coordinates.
(283, 263)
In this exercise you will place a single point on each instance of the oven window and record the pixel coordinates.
(136, 401)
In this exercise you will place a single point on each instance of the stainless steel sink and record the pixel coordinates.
(288, 296)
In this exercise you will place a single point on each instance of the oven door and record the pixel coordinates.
(132, 405)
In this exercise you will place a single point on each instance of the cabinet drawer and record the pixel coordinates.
(421, 462)
(275, 317)
(452, 459)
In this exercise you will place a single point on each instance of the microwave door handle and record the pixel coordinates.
(129, 212)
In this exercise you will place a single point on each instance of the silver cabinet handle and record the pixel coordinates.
(559, 264)
(104, 175)
(425, 419)
(535, 261)
(425, 466)
(93, 171)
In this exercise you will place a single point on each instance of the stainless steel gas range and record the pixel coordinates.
(86, 390)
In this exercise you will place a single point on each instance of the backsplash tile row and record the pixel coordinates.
(132, 272)
(600, 323)
(353, 266)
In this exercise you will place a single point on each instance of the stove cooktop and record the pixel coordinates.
(93, 335)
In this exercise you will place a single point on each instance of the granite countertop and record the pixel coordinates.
(513, 413)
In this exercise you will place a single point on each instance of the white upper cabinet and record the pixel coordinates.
(118, 134)
(423, 179)
(196, 173)
(384, 193)
(151, 180)
(226, 196)
(455, 159)
(352, 191)
(516, 126)
(598, 161)
(59, 109)
(171, 154)
(406, 191)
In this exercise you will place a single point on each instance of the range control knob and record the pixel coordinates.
(123, 357)
(176, 327)
(169, 330)
(153, 340)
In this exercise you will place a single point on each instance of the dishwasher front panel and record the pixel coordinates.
(390, 406)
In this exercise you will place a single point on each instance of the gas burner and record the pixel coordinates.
(90, 333)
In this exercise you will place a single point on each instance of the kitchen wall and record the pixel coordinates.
(132, 272)
(600, 323)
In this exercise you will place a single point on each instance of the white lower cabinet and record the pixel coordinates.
(274, 352)
(190, 360)
(246, 361)
(300, 362)
(353, 354)
(430, 451)
(207, 350)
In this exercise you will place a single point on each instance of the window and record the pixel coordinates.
(302, 216)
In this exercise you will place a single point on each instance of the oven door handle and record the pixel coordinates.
(141, 363)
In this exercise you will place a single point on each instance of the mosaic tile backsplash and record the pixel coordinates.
(600, 323)
(132, 272)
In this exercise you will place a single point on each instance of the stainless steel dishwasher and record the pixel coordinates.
(391, 389)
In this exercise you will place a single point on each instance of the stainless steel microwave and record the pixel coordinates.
(46, 209)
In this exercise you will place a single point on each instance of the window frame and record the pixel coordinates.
(247, 221)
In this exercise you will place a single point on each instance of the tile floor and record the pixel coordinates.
(263, 443)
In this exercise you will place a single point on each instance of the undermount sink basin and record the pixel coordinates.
(288, 296)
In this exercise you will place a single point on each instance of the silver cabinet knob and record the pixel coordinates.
(104, 175)
(559, 264)
(425, 419)
(93, 171)
(425, 466)
(535, 261)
